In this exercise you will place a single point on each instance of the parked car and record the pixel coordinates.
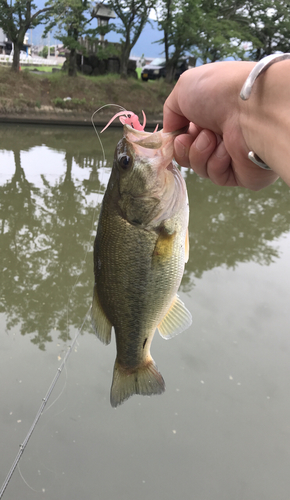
(157, 69)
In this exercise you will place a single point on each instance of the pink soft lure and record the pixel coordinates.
(129, 118)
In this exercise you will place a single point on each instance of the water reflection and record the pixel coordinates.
(229, 226)
(47, 227)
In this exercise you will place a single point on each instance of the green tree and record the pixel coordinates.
(16, 18)
(43, 52)
(178, 19)
(223, 26)
(134, 15)
(210, 29)
(73, 19)
(270, 25)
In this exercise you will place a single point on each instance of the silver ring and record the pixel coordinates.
(257, 160)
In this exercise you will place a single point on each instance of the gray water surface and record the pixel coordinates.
(221, 431)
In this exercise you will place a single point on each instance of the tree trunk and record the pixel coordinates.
(68, 173)
(124, 62)
(166, 50)
(172, 66)
(72, 63)
(170, 72)
(16, 57)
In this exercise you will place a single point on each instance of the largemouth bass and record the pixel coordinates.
(140, 250)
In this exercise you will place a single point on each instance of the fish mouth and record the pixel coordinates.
(151, 144)
(167, 188)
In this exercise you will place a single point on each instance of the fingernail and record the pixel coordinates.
(202, 141)
(179, 148)
(221, 150)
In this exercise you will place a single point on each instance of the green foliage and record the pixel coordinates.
(20, 15)
(269, 22)
(59, 102)
(43, 52)
(107, 51)
(16, 18)
(216, 29)
(222, 29)
(72, 19)
(41, 69)
(134, 15)
(179, 21)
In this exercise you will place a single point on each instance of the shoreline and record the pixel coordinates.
(61, 118)
(58, 99)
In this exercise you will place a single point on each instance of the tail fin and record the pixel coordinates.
(145, 380)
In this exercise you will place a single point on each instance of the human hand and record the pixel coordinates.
(207, 100)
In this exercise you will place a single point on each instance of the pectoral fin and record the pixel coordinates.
(101, 324)
(176, 320)
(164, 246)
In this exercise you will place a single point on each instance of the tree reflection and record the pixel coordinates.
(46, 268)
(232, 225)
(19, 228)
(47, 232)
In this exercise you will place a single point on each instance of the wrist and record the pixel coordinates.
(264, 118)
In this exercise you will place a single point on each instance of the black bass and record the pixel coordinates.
(140, 250)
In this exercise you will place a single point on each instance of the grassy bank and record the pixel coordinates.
(30, 93)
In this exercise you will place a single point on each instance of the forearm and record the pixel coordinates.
(265, 118)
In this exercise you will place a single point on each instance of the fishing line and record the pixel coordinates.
(25, 482)
(41, 408)
(55, 415)
(95, 129)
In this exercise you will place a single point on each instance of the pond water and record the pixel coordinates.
(221, 431)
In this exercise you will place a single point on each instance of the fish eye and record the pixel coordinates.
(125, 162)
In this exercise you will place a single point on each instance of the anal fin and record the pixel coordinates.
(100, 322)
(176, 320)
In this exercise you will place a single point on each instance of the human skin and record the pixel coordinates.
(222, 128)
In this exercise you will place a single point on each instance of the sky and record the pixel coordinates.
(145, 44)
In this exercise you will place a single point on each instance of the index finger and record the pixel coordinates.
(173, 118)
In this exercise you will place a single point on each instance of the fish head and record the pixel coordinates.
(150, 186)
